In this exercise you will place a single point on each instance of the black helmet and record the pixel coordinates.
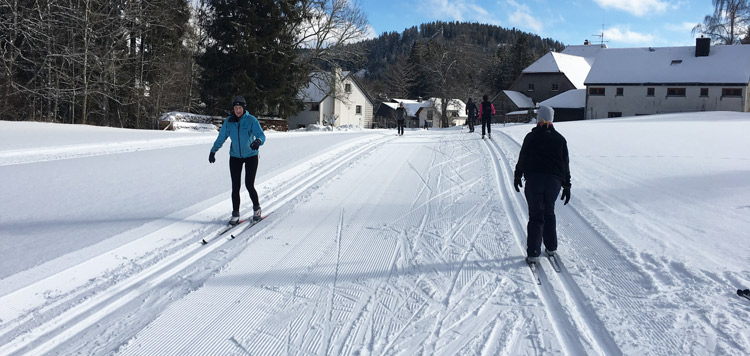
(239, 100)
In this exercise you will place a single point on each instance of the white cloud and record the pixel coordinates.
(635, 7)
(457, 10)
(522, 18)
(625, 35)
(680, 27)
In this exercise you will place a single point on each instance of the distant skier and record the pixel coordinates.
(400, 118)
(486, 110)
(471, 111)
(247, 136)
(544, 163)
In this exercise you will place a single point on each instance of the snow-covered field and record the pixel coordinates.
(375, 244)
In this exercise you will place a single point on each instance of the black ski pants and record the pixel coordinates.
(486, 121)
(541, 194)
(235, 170)
(471, 123)
(400, 126)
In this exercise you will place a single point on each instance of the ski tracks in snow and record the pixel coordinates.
(604, 292)
(416, 265)
(97, 305)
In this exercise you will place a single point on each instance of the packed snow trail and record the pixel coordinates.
(38, 324)
(609, 293)
(408, 245)
(423, 262)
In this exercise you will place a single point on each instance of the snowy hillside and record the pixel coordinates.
(374, 244)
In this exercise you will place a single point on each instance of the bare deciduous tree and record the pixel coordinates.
(728, 23)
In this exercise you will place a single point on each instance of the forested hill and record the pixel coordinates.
(491, 52)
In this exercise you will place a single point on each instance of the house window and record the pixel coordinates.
(531, 87)
(612, 114)
(596, 91)
(348, 88)
(731, 92)
(676, 92)
(620, 91)
(649, 91)
(555, 87)
(314, 107)
(704, 91)
(359, 109)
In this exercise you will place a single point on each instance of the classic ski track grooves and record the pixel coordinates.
(618, 276)
(567, 308)
(61, 328)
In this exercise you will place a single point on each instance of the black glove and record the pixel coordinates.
(211, 157)
(517, 183)
(565, 195)
(256, 144)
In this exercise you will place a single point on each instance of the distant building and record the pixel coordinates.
(335, 99)
(420, 111)
(656, 80)
(593, 81)
(551, 75)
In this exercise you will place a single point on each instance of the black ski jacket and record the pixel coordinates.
(400, 114)
(544, 151)
(471, 109)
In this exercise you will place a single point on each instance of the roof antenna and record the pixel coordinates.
(601, 38)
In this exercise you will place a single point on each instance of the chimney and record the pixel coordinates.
(702, 46)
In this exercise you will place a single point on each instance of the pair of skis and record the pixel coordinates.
(233, 229)
(555, 266)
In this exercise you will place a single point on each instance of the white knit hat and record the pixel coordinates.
(545, 113)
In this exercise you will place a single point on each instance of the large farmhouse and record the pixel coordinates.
(636, 81)
(641, 81)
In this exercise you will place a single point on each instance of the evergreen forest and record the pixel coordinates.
(123, 63)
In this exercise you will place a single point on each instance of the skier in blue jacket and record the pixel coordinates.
(247, 136)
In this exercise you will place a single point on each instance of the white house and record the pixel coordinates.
(654, 80)
(335, 99)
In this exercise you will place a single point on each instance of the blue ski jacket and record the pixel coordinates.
(242, 132)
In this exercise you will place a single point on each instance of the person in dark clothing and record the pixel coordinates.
(486, 110)
(545, 164)
(247, 136)
(400, 118)
(471, 111)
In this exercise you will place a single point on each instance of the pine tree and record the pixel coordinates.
(251, 53)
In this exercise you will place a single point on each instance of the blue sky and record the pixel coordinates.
(634, 23)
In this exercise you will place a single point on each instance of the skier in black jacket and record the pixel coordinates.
(471, 112)
(544, 162)
(400, 117)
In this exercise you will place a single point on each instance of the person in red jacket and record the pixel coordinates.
(486, 110)
(545, 164)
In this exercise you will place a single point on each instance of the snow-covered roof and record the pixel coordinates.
(318, 88)
(453, 105)
(412, 106)
(518, 98)
(571, 99)
(519, 112)
(574, 67)
(586, 51)
(724, 64)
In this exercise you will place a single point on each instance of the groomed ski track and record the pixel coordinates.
(427, 262)
(57, 322)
